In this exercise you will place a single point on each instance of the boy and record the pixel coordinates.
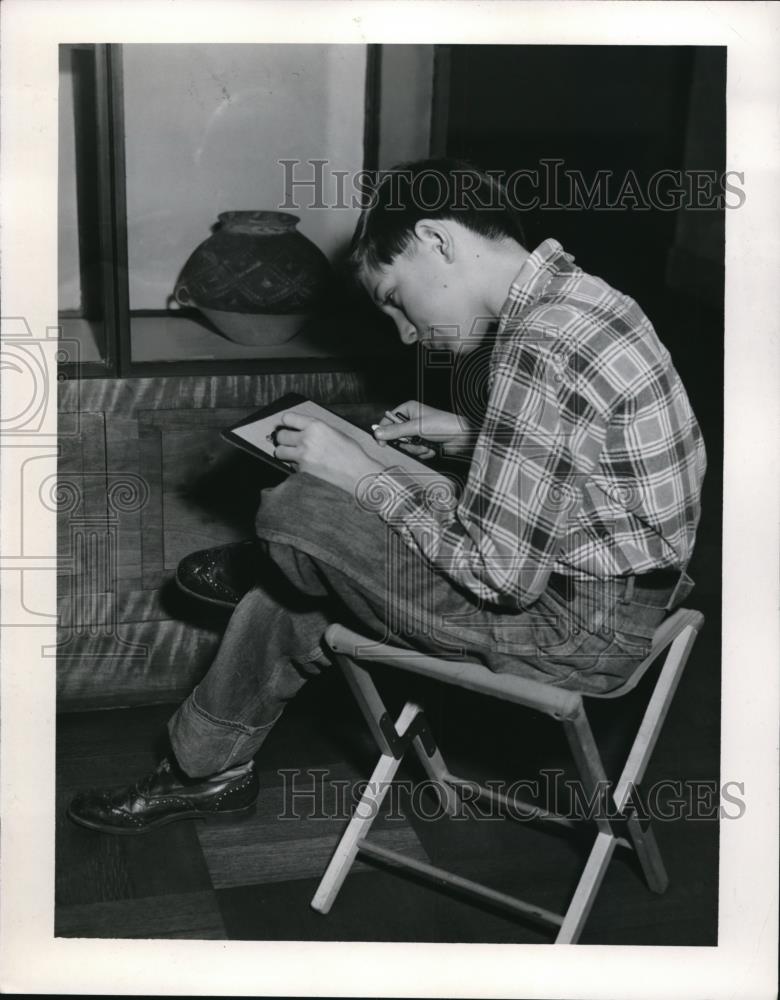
(557, 558)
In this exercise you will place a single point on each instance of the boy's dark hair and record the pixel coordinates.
(430, 189)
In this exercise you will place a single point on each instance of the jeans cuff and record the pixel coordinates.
(204, 744)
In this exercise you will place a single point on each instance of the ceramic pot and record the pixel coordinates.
(256, 278)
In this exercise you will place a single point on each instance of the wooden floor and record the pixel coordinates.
(253, 879)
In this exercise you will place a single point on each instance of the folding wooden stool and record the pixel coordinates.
(354, 652)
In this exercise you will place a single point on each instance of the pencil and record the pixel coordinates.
(396, 418)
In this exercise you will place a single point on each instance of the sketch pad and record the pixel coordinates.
(253, 434)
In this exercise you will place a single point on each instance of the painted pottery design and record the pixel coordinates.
(256, 277)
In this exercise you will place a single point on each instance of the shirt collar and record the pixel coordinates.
(532, 279)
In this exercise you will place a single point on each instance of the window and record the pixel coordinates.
(155, 142)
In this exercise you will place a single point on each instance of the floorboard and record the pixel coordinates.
(253, 878)
(185, 915)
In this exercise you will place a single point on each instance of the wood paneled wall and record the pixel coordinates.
(145, 478)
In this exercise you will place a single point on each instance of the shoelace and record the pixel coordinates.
(144, 784)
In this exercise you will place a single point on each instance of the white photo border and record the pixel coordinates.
(744, 962)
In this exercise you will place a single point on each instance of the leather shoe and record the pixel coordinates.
(221, 575)
(164, 796)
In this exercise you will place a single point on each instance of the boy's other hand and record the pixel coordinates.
(319, 449)
(413, 419)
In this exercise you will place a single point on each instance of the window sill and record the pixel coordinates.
(185, 340)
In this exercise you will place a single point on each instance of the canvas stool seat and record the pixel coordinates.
(357, 655)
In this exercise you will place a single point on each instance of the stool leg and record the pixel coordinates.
(436, 770)
(587, 888)
(589, 766)
(365, 813)
(646, 848)
(358, 828)
(642, 836)
(655, 715)
(374, 711)
(591, 770)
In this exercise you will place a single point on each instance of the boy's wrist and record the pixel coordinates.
(364, 468)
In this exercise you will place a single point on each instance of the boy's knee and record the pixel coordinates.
(274, 511)
(301, 501)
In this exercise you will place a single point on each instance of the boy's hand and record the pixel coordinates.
(414, 419)
(319, 449)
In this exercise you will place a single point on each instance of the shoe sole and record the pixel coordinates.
(214, 601)
(226, 816)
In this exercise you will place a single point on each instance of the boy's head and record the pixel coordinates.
(426, 247)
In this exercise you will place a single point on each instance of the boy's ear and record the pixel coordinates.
(436, 236)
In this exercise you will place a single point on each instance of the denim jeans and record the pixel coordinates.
(324, 558)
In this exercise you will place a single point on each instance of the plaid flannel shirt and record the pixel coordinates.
(589, 460)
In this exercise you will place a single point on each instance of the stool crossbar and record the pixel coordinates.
(355, 654)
